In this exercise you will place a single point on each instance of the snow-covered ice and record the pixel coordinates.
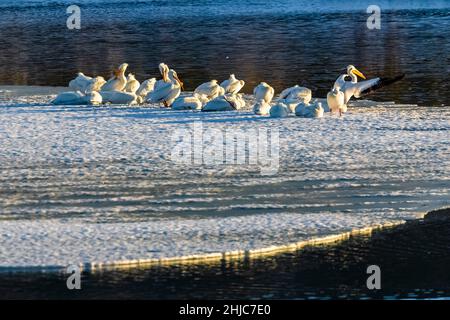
(97, 184)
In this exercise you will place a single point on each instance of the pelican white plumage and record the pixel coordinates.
(263, 91)
(187, 103)
(146, 87)
(80, 82)
(85, 84)
(280, 110)
(167, 93)
(292, 96)
(310, 110)
(239, 100)
(119, 97)
(261, 108)
(78, 98)
(356, 89)
(164, 70)
(232, 85)
(336, 101)
(210, 90)
(132, 84)
(297, 93)
(96, 84)
(227, 102)
(118, 81)
(202, 98)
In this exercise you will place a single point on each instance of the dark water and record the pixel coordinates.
(281, 42)
(413, 260)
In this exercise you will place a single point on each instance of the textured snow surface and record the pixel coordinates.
(98, 185)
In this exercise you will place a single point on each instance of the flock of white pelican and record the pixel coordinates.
(212, 96)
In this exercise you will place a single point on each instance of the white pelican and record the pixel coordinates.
(119, 97)
(168, 92)
(85, 84)
(232, 85)
(118, 81)
(145, 87)
(297, 93)
(187, 103)
(335, 101)
(227, 102)
(280, 110)
(132, 84)
(356, 89)
(313, 110)
(210, 90)
(261, 107)
(263, 91)
(78, 98)
(292, 96)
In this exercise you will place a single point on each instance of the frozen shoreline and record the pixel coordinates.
(101, 182)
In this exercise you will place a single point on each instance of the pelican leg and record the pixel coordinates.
(165, 104)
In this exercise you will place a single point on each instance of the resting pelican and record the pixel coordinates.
(280, 110)
(187, 103)
(168, 92)
(335, 101)
(232, 85)
(119, 97)
(296, 92)
(145, 87)
(85, 84)
(227, 102)
(210, 90)
(357, 89)
(118, 81)
(261, 107)
(78, 98)
(263, 91)
(292, 96)
(313, 110)
(132, 84)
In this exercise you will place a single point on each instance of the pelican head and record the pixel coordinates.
(130, 77)
(162, 66)
(123, 67)
(335, 91)
(121, 70)
(351, 69)
(96, 84)
(164, 70)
